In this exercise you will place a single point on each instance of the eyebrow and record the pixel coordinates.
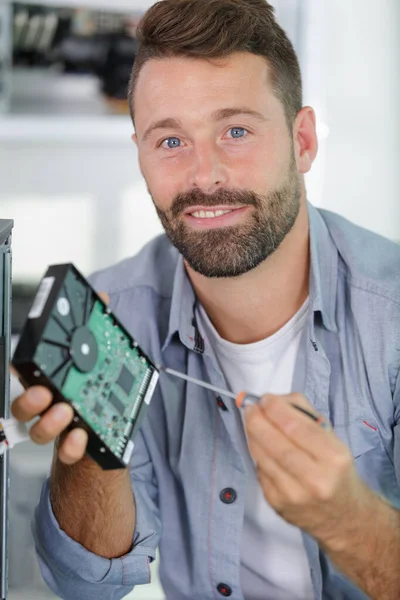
(168, 123)
(219, 115)
(228, 113)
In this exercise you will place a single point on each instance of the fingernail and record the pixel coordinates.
(62, 412)
(36, 395)
(78, 436)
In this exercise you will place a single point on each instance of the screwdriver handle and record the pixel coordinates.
(244, 399)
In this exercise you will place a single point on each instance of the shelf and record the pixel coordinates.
(48, 107)
(42, 129)
(128, 6)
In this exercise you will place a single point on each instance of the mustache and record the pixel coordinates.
(223, 197)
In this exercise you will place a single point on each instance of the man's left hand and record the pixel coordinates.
(307, 474)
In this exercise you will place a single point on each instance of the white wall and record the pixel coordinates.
(362, 177)
(352, 59)
(79, 201)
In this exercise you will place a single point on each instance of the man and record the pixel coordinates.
(257, 291)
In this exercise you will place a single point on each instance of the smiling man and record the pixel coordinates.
(227, 161)
(252, 288)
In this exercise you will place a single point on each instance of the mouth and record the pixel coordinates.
(204, 217)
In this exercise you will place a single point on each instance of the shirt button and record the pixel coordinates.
(221, 404)
(224, 589)
(228, 496)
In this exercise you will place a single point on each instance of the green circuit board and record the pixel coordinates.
(109, 397)
(75, 345)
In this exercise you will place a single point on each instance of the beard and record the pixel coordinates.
(234, 250)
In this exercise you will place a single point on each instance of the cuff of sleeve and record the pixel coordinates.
(63, 554)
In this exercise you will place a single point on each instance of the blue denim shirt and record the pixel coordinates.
(191, 445)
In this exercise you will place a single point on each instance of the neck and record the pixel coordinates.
(256, 305)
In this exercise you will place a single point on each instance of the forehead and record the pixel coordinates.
(189, 88)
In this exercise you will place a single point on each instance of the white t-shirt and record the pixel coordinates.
(274, 563)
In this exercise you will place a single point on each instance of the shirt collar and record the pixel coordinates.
(323, 285)
(181, 317)
(323, 270)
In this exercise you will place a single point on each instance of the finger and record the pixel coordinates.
(31, 403)
(287, 456)
(289, 507)
(271, 493)
(280, 489)
(52, 423)
(73, 447)
(303, 431)
(298, 403)
(105, 297)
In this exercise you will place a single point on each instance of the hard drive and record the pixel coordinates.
(74, 345)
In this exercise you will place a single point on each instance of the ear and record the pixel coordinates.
(134, 138)
(305, 139)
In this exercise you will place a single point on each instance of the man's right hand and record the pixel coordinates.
(32, 403)
(101, 515)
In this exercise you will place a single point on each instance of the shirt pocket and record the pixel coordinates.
(360, 436)
(372, 461)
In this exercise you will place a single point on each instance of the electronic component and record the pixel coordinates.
(75, 346)
(6, 226)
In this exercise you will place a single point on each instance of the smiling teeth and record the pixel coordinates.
(210, 214)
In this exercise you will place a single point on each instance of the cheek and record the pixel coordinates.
(260, 168)
(161, 181)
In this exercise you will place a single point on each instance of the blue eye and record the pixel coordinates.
(172, 142)
(238, 132)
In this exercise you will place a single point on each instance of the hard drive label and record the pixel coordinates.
(41, 297)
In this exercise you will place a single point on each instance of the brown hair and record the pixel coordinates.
(212, 29)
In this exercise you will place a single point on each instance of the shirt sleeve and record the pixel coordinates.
(72, 572)
(396, 428)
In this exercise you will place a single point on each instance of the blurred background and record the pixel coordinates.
(68, 169)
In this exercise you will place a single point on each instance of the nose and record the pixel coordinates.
(208, 172)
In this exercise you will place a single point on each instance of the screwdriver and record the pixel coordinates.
(242, 399)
